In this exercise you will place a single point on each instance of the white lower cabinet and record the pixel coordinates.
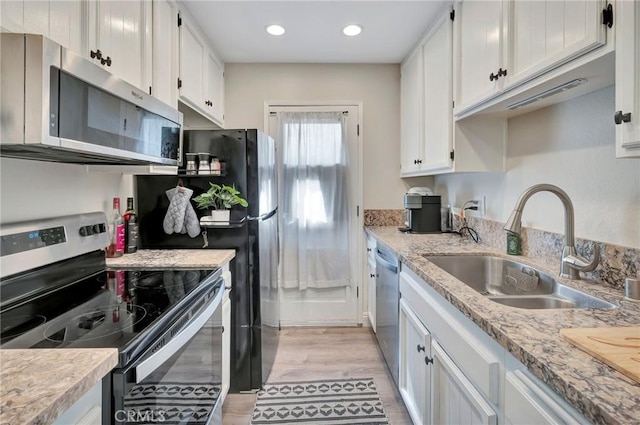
(414, 379)
(452, 372)
(455, 399)
(86, 411)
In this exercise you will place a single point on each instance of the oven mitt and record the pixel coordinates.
(173, 285)
(181, 217)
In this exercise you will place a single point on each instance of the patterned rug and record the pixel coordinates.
(171, 403)
(335, 402)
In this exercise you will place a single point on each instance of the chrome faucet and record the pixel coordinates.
(571, 263)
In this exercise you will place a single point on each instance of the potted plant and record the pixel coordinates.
(220, 199)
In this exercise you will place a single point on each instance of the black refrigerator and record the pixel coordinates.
(249, 158)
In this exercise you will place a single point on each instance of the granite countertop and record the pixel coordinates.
(173, 258)
(38, 385)
(532, 336)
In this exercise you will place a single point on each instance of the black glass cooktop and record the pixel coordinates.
(108, 309)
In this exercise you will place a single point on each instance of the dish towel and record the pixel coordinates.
(181, 217)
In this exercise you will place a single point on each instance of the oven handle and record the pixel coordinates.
(147, 366)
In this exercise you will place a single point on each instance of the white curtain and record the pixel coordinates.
(313, 201)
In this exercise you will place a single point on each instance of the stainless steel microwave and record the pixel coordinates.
(58, 106)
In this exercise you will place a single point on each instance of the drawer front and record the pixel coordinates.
(479, 361)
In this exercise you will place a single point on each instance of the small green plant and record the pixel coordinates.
(220, 198)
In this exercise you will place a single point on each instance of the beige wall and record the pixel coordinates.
(248, 86)
(570, 145)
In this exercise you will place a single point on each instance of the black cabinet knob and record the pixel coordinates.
(502, 72)
(106, 61)
(493, 77)
(372, 275)
(97, 54)
(619, 117)
(420, 348)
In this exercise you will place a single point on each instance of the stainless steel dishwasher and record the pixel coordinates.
(387, 302)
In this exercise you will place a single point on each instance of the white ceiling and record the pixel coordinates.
(236, 31)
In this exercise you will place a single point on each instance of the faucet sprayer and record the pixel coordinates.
(571, 263)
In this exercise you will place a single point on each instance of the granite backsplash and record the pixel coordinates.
(616, 262)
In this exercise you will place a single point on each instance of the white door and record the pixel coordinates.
(455, 400)
(214, 91)
(165, 52)
(192, 54)
(414, 380)
(478, 51)
(339, 306)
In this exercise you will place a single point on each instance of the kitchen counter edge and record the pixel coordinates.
(173, 258)
(38, 385)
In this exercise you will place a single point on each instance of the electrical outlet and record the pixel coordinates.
(480, 202)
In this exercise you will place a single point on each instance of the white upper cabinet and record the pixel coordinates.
(201, 73)
(60, 21)
(214, 87)
(438, 98)
(411, 113)
(478, 52)
(545, 34)
(503, 45)
(627, 111)
(192, 56)
(120, 39)
(165, 52)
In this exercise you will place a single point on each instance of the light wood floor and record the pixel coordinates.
(325, 353)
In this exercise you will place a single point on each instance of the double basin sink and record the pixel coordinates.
(514, 284)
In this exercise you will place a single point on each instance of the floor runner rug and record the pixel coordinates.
(330, 402)
(169, 403)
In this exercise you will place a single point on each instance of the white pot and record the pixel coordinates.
(220, 216)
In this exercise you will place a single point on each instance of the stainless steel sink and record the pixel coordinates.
(514, 284)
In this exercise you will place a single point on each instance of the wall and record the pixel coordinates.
(248, 86)
(571, 145)
(35, 189)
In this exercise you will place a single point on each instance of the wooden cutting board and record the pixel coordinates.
(617, 347)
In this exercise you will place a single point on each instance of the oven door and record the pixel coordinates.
(178, 379)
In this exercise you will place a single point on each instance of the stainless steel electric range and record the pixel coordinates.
(56, 292)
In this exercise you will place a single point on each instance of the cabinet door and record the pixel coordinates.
(411, 112)
(214, 88)
(12, 16)
(478, 51)
(165, 52)
(438, 98)
(414, 380)
(627, 23)
(36, 17)
(66, 24)
(226, 346)
(455, 399)
(121, 35)
(192, 55)
(371, 292)
(544, 34)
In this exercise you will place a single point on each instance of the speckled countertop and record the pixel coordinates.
(40, 384)
(532, 336)
(173, 258)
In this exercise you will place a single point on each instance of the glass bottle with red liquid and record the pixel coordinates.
(116, 231)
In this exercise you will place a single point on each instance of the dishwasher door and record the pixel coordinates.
(387, 304)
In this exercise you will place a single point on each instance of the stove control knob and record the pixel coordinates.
(102, 228)
(89, 230)
(96, 229)
(83, 231)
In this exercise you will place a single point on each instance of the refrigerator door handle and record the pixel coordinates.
(264, 217)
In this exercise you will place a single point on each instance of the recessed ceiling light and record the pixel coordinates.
(275, 29)
(352, 30)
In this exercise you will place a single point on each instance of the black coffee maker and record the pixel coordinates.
(424, 213)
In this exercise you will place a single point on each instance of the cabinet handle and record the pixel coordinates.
(106, 61)
(619, 117)
(372, 275)
(368, 249)
(96, 55)
(493, 77)
(428, 360)
(502, 72)
(420, 348)
(419, 161)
